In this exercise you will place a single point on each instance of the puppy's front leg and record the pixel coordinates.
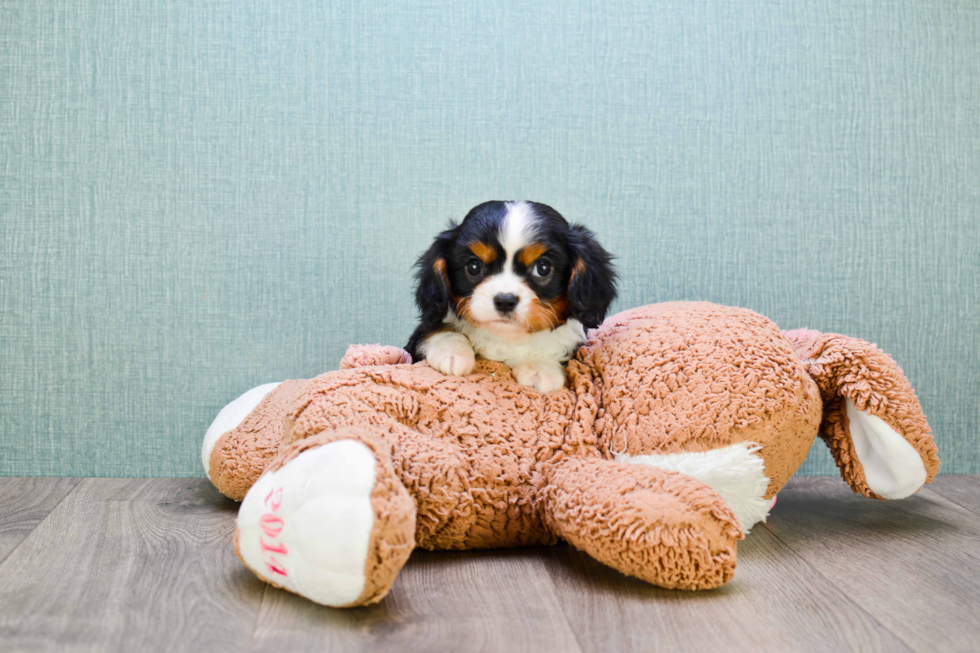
(542, 375)
(450, 353)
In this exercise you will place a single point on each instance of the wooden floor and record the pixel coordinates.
(147, 565)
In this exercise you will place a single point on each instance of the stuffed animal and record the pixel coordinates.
(678, 425)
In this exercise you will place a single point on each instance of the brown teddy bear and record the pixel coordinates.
(678, 425)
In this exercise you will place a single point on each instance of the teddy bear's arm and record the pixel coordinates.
(362, 355)
(664, 527)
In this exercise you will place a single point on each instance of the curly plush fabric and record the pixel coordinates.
(660, 526)
(364, 355)
(845, 367)
(243, 453)
(696, 376)
(467, 448)
(481, 461)
(392, 537)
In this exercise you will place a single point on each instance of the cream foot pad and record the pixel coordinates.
(307, 526)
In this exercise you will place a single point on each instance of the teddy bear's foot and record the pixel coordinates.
(872, 420)
(329, 521)
(893, 468)
(664, 527)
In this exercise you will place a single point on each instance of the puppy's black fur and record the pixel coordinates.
(582, 280)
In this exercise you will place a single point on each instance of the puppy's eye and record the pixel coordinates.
(542, 268)
(474, 267)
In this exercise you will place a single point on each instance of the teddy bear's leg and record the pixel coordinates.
(245, 436)
(664, 527)
(329, 519)
(872, 420)
(248, 432)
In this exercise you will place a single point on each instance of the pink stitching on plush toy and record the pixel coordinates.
(273, 548)
(274, 569)
(276, 501)
(272, 526)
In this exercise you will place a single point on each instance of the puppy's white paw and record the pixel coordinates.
(450, 353)
(543, 376)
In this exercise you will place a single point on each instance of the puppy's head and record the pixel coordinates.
(515, 268)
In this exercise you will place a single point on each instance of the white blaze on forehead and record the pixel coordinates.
(517, 230)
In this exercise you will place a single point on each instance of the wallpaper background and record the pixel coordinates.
(197, 198)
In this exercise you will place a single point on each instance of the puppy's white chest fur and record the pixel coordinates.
(556, 344)
(514, 283)
(535, 359)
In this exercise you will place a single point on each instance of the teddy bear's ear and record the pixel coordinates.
(872, 420)
(592, 282)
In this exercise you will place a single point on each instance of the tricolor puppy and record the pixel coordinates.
(514, 282)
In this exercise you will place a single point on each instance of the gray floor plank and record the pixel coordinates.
(147, 565)
(962, 489)
(24, 502)
(913, 564)
(130, 565)
(499, 600)
(774, 603)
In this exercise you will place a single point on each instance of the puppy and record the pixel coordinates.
(514, 282)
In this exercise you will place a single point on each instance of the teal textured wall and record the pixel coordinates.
(200, 197)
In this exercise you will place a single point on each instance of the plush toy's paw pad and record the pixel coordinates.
(307, 526)
(450, 353)
(230, 417)
(364, 355)
(542, 376)
(893, 469)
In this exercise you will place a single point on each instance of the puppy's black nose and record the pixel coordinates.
(506, 303)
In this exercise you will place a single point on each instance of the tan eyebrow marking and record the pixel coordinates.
(531, 253)
(484, 252)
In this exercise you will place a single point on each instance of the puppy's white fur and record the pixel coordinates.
(517, 229)
(481, 308)
(516, 232)
(555, 345)
(450, 353)
(535, 358)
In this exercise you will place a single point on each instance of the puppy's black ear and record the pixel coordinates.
(432, 291)
(592, 283)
